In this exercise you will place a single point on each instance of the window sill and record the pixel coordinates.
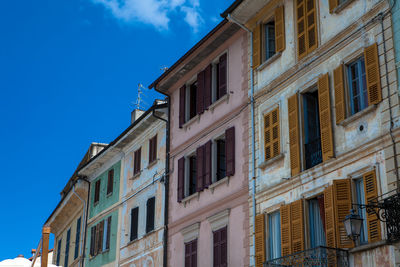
(132, 241)
(149, 233)
(187, 199)
(358, 115)
(151, 164)
(269, 61)
(96, 203)
(368, 246)
(136, 175)
(342, 6)
(109, 194)
(220, 100)
(217, 183)
(271, 161)
(191, 121)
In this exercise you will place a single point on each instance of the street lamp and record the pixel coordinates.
(352, 224)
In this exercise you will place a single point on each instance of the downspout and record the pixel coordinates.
(83, 219)
(253, 165)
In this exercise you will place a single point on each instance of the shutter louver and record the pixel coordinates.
(330, 230)
(297, 226)
(294, 140)
(257, 46)
(100, 237)
(280, 29)
(325, 117)
(200, 168)
(301, 29)
(230, 151)
(311, 20)
(222, 75)
(207, 86)
(108, 232)
(286, 244)
(96, 243)
(271, 134)
(134, 223)
(372, 74)
(182, 101)
(332, 5)
(260, 240)
(181, 179)
(307, 36)
(338, 84)
(207, 164)
(200, 92)
(342, 204)
(371, 193)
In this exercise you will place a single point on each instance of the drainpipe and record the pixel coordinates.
(83, 219)
(253, 165)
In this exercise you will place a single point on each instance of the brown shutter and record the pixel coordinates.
(207, 86)
(97, 191)
(286, 244)
(338, 84)
(200, 168)
(200, 92)
(155, 147)
(260, 240)
(96, 243)
(272, 134)
(207, 164)
(224, 247)
(371, 193)
(230, 151)
(222, 75)
(372, 74)
(311, 22)
(330, 230)
(100, 237)
(280, 29)
(332, 5)
(294, 139)
(342, 204)
(92, 242)
(325, 117)
(108, 232)
(151, 150)
(181, 179)
(297, 226)
(182, 102)
(257, 46)
(301, 28)
(110, 182)
(137, 161)
(216, 250)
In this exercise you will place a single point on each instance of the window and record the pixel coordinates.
(357, 86)
(220, 251)
(137, 161)
(153, 149)
(110, 181)
(269, 40)
(192, 175)
(134, 223)
(358, 185)
(97, 192)
(271, 134)
(274, 235)
(67, 247)
(221, 159)
(191, 254)
(316, 218)
(192, 100)
(77, 237)
(58, 252)
(108, 235)
(307, 35)
(100, 237)
(151, 206)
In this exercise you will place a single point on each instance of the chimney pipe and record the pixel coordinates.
(136, 113)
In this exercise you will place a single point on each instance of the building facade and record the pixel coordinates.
(396, 33)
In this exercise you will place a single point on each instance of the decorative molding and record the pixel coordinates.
(219, 220)
(191, 232)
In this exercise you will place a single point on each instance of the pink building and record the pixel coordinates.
(208, 210)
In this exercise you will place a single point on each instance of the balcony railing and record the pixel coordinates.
(319, 256)
(313, 153)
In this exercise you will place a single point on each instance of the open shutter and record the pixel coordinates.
(96, 240)
(279, 29)
(272, 134)
(222, 75)
(260, 240)
(207, 164)
(311, 22)
(332, 5)
(200, 92)
(257, 46)
(134, 223)
(371, 193)
(330, 232)
(108, 232)
(207, 86)
(100, 239)
(230, 151)
(301, 28)
(325, 117)
(342, 204)
(182, 102)
(294, 139)
(92, 243)
(297, 225)
(200, 168)
(181, 179)
(338, 84)
(110, 181)
(286, 244)
(372, 74)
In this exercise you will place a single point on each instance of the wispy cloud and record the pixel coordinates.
(154, 12)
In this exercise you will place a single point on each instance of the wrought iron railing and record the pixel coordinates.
(319, 256)
(313, 153)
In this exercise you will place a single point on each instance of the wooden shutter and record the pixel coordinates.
(325, 117)
(96, 240)
(207, 86)
(220, 244)
(110, 181)
(342, 204)
(182, 104)
(371, 193)
(150, 214)
(191, 254)
(134, 223)
(372, 74)
(311, 21)
(97, 191)
(338, 84)
(92, 243)
(151, 150)
(77, 237)
(137, 161)
(216, 254)
(307, 34)
(222, 75)
(294, 132)
(297, 226)
(100, 237)
(301, 29)
(207, 164)
(230, 151)
(332, 5)
(257, 46)
(271, 134)
(200, 168)
(200, 92)
(260, 240)
(108, 236)
(181, 179)
(286, 244)
(280, 29)
(330, 222)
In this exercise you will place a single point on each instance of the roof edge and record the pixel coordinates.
(231, 8)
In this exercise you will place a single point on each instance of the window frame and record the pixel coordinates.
(97, 189)
(349, 87)
(153, 149)
(137, 161)
(110, 182)
(187, 176)
(268, 235)
(264, 44)
(355, 183)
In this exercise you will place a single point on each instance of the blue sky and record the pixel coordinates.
(69, 72)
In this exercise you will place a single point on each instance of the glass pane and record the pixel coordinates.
(316, 230)
(362, 212)
(274, 235)
(269, 41)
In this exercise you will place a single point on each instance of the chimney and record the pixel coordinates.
(136, 113)
(33, 251)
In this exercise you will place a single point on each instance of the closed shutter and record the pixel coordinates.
(182, 101)
(371, 193)
(151, 150)
(207, 86)
(134, 223)
(311, 20)
(100, 237)
(77, 237)
(297, 226)
(294, 139)
(372, 74)
(96, 246)
(181, 179)
(151, 202)
(286, 245)
(257, 46)
(191, 254)
(97, 191)
(200, 92)
(230, 151)
(110, 182)
(220, 241)
(108, 236)
(330, 232)
(272, 134)
(216, 251)
(200, 168)
(260, 240)
(307, 37)
(280, 29)
(301, 28)
(325, 117)
(338, 84)
(67, 248)
(137, 161)
(222, 75)
(207, 164)
(92, 242)
(342, 204)
(332, 5)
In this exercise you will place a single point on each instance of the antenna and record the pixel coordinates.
(139, 96)
(164, 69)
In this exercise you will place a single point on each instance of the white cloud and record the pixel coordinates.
(154, 12)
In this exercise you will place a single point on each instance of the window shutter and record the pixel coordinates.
(222, 75)
(342, 204)
(77, 237)
(92, 242)
(330, 232)
(230, 151)
(332, 5)
(110, 182)
(216, 254)
(260, 240)
(150, 214)
(100, 237)
(257, 46)
(372, 74)
(371, 193)
(207, 86)
(134, 223)
(286, 245)
(182, 102)
(297, 225)
(151, 150)
(200, 168)
(207, 164)
(311, 18)
(108, 232)
(96, 246)
(137, 160)
(272, 134)
(307, 38)
(200, 92)
(301, 29)
(191, 254)
(294, 140)
(338, 84)
(325, 117)
(224, 247)
(280, 29)
(97, 191)
(181, 179)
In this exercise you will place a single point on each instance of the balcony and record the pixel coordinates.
(319, 256)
